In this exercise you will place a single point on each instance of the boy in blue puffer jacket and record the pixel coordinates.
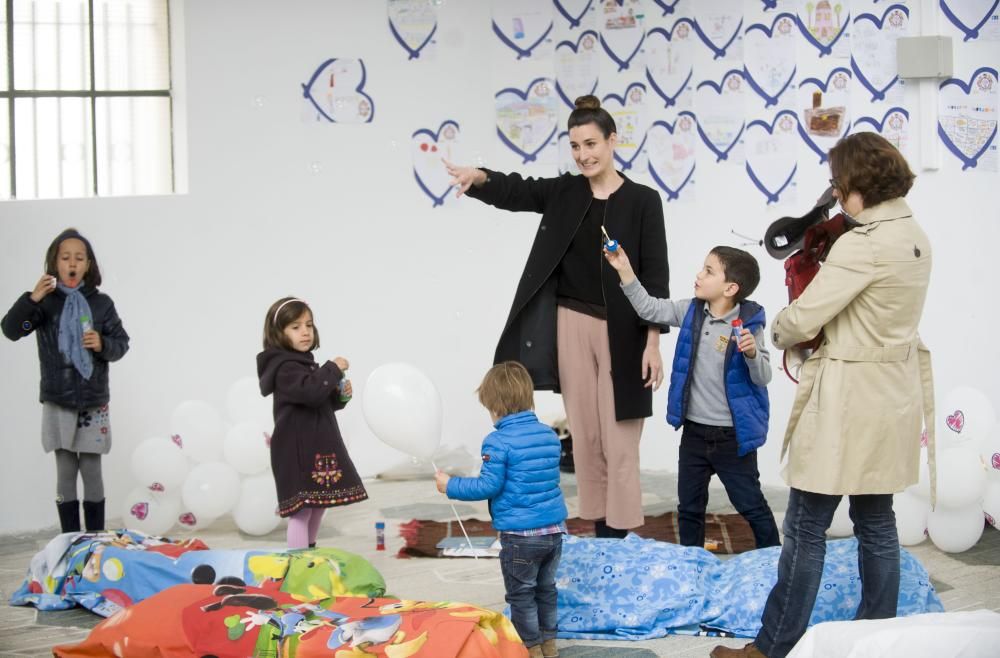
(520, 479)
(718, 388)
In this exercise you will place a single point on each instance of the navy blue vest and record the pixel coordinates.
(748, 402)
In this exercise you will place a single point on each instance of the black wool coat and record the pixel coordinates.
(61, 383)
(634, 217)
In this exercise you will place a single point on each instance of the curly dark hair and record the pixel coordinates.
(868, 164)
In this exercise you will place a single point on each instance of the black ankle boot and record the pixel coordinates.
(604, 531)
(312, 545)
(93, 515)
(69, 515)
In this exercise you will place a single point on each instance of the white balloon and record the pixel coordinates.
(199, 429)
(988, 446)
(151, 512)
(255, 512)
(955, 530)
(188, 521)
(403, 409)
(965, 414)
(911, 518)
(160, 464)
(961, 478)
(842, 526)
(211, 489)
(991, 504)
(247, 448)
(244, 402)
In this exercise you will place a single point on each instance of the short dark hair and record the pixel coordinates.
(870, 165)
(739, 267)
(589, 110)
(281, 314)
(507, 389)
(92, 278)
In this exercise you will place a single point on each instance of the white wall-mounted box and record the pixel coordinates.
(924, 57)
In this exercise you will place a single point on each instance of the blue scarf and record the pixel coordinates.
(75, 313)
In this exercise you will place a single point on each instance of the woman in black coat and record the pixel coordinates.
(571, 325)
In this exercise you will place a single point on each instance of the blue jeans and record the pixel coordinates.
(529, 566)
(800, 568)
(706, 450)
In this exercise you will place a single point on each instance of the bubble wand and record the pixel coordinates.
(609, 244)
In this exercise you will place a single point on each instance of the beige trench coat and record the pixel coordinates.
(865, 394)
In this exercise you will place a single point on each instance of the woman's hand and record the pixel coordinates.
(92, 341)
(341, 363)
(618, 259)
(464, 177)
(44, 286)
(652, 366)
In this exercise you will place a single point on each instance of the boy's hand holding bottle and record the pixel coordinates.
(441, 480)
(618, 259)
(748, 344)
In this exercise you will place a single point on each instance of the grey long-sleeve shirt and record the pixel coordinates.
(707, 403)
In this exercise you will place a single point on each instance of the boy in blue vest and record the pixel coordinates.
(718, 388)
(520, 479)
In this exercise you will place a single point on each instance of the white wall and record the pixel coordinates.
(389, 277)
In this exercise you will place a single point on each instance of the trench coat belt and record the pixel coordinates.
(877, 354)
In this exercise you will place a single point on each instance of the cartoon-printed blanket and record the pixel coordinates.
(229, 621)
(640, 589)
(109, 571)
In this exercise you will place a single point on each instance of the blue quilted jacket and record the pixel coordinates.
(748, 402)
(520, 475)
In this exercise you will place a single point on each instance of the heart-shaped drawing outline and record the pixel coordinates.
(306, 93)
(627, 164)
(724, 154)
(669, 100)
(719, 52)
(667, 7)
(967, 162)
(140, 511)
(879, 125)
(877, 94)
(956, 421)
(827, 49)
(188, 519)
(824, 87)
(521, 52)
(574, 22)
(970, 33)
(528, 157)
(575, 47)
(414, 53)
(770, 4)
(438, 200)
(672, 194)
(178, 441)
(156, 486)
(769, 100)
(622, 63)
(772, 197)
(995, 460)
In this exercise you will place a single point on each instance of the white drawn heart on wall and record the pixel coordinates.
(573, 10)
(718, 24)
(894, 125)
(522, 25)
(670, 60)
(527, 119)
(629, 113)
(769, 57)
(427, 148)
(771, 157)
(412, 25)
(873, 49)
(965, 125)
(836, 92)
(337, 92)
(719, 108)
(671, 150)
(577, 65)
(969, 16)
(622, 30)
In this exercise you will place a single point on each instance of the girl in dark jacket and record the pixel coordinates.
(571, 325)
(312, 470)
(79, 333)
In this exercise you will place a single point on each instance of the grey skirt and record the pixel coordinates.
(87, 430)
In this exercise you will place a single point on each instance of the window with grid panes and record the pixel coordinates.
(85, 98)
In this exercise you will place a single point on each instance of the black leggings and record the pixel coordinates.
(88, 465)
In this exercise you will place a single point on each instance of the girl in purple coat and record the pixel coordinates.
(312, 470)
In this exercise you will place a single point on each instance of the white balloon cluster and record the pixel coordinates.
(207, 468)
(968, 479)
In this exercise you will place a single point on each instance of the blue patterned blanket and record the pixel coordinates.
(638, 589)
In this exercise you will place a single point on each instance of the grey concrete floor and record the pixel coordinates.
(966, 581)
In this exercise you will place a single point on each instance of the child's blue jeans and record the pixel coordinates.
(529, 567)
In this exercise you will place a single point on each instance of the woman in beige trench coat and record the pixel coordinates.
(862, 396)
